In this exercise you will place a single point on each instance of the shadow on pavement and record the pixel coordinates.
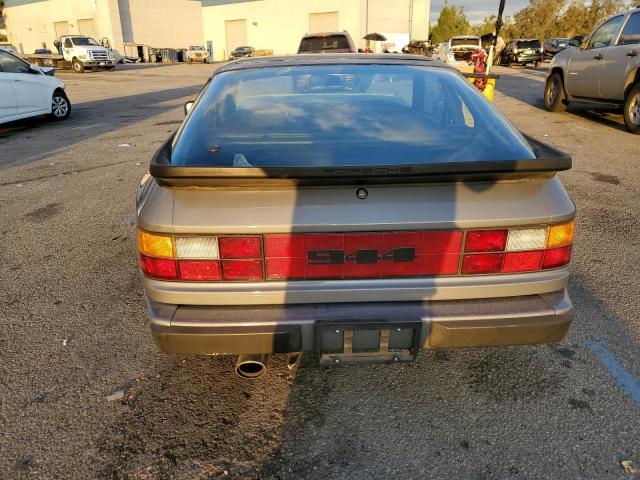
(23, 139)
(528, 88)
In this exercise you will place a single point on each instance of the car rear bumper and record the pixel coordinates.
(201, 330)
(528, 58)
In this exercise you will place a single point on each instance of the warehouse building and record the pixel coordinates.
(278, 25)
(33, 24)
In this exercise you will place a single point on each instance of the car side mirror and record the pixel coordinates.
(187, 107)
(35, 69)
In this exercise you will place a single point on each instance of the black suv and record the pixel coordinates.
(553, 46)
(242, 52)
(522, 51)
(327, 42)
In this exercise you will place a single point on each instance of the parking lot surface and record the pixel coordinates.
(85, 393)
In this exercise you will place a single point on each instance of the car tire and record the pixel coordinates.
(555, 99)
(78, 66)
(60, 106)
(631, 111)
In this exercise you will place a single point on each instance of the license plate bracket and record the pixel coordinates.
(349, 342)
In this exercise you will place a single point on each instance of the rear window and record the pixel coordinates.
(528, 43)
(456, 42)
(330, 42)
(343, 115)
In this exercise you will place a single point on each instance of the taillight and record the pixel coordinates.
(485, 240)
(200, 258)
(343, 256)
(482, 263)
(240, 247)
(556, 257)
(160, 268)
(517, 249)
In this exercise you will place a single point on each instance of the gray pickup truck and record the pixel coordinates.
(604, 70)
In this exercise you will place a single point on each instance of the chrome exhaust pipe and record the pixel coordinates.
(252, 366)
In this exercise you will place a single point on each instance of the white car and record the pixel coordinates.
(27, 90)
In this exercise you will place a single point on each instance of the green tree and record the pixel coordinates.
(487, 26)
(2, 37)
(556, 18)
(452, 21)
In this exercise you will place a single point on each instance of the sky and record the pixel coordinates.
(477, 10)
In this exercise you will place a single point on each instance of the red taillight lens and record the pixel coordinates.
(199, 270)
(556, 257)
(522, 261)
(343, 256)
(485, 241)
(240, 247)
(482, 263)
(159, 268)
(242, 270)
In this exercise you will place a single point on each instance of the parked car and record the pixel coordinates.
(42, 51)
(197, 54)
(521, 52)
(553, 46)
(327, 42)
(241, 52)
(457, 50)
(359, 225)
(604, 70)
(27, 91)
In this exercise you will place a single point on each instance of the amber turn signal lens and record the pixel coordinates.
(560, 235)
(151, 245)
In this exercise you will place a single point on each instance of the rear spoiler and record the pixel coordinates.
(548, 161)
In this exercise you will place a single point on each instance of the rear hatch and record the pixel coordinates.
(529, 47)
(344, 195)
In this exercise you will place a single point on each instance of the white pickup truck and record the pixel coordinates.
(78, 52)
(197, 54)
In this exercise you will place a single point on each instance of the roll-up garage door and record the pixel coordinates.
(323, 22)
(61, 28)
(87, 27)
(236, 34)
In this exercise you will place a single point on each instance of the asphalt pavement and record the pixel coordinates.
(85, 393)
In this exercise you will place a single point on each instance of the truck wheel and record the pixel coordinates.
(78, 66)
(632, 109)
(60, 106)
(554, 97)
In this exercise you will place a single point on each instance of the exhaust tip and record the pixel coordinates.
(251, 366)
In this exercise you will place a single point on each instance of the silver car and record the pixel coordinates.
(604, 70)
(360, 207)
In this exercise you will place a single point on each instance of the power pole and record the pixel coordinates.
(366, 18)
(410, 19)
